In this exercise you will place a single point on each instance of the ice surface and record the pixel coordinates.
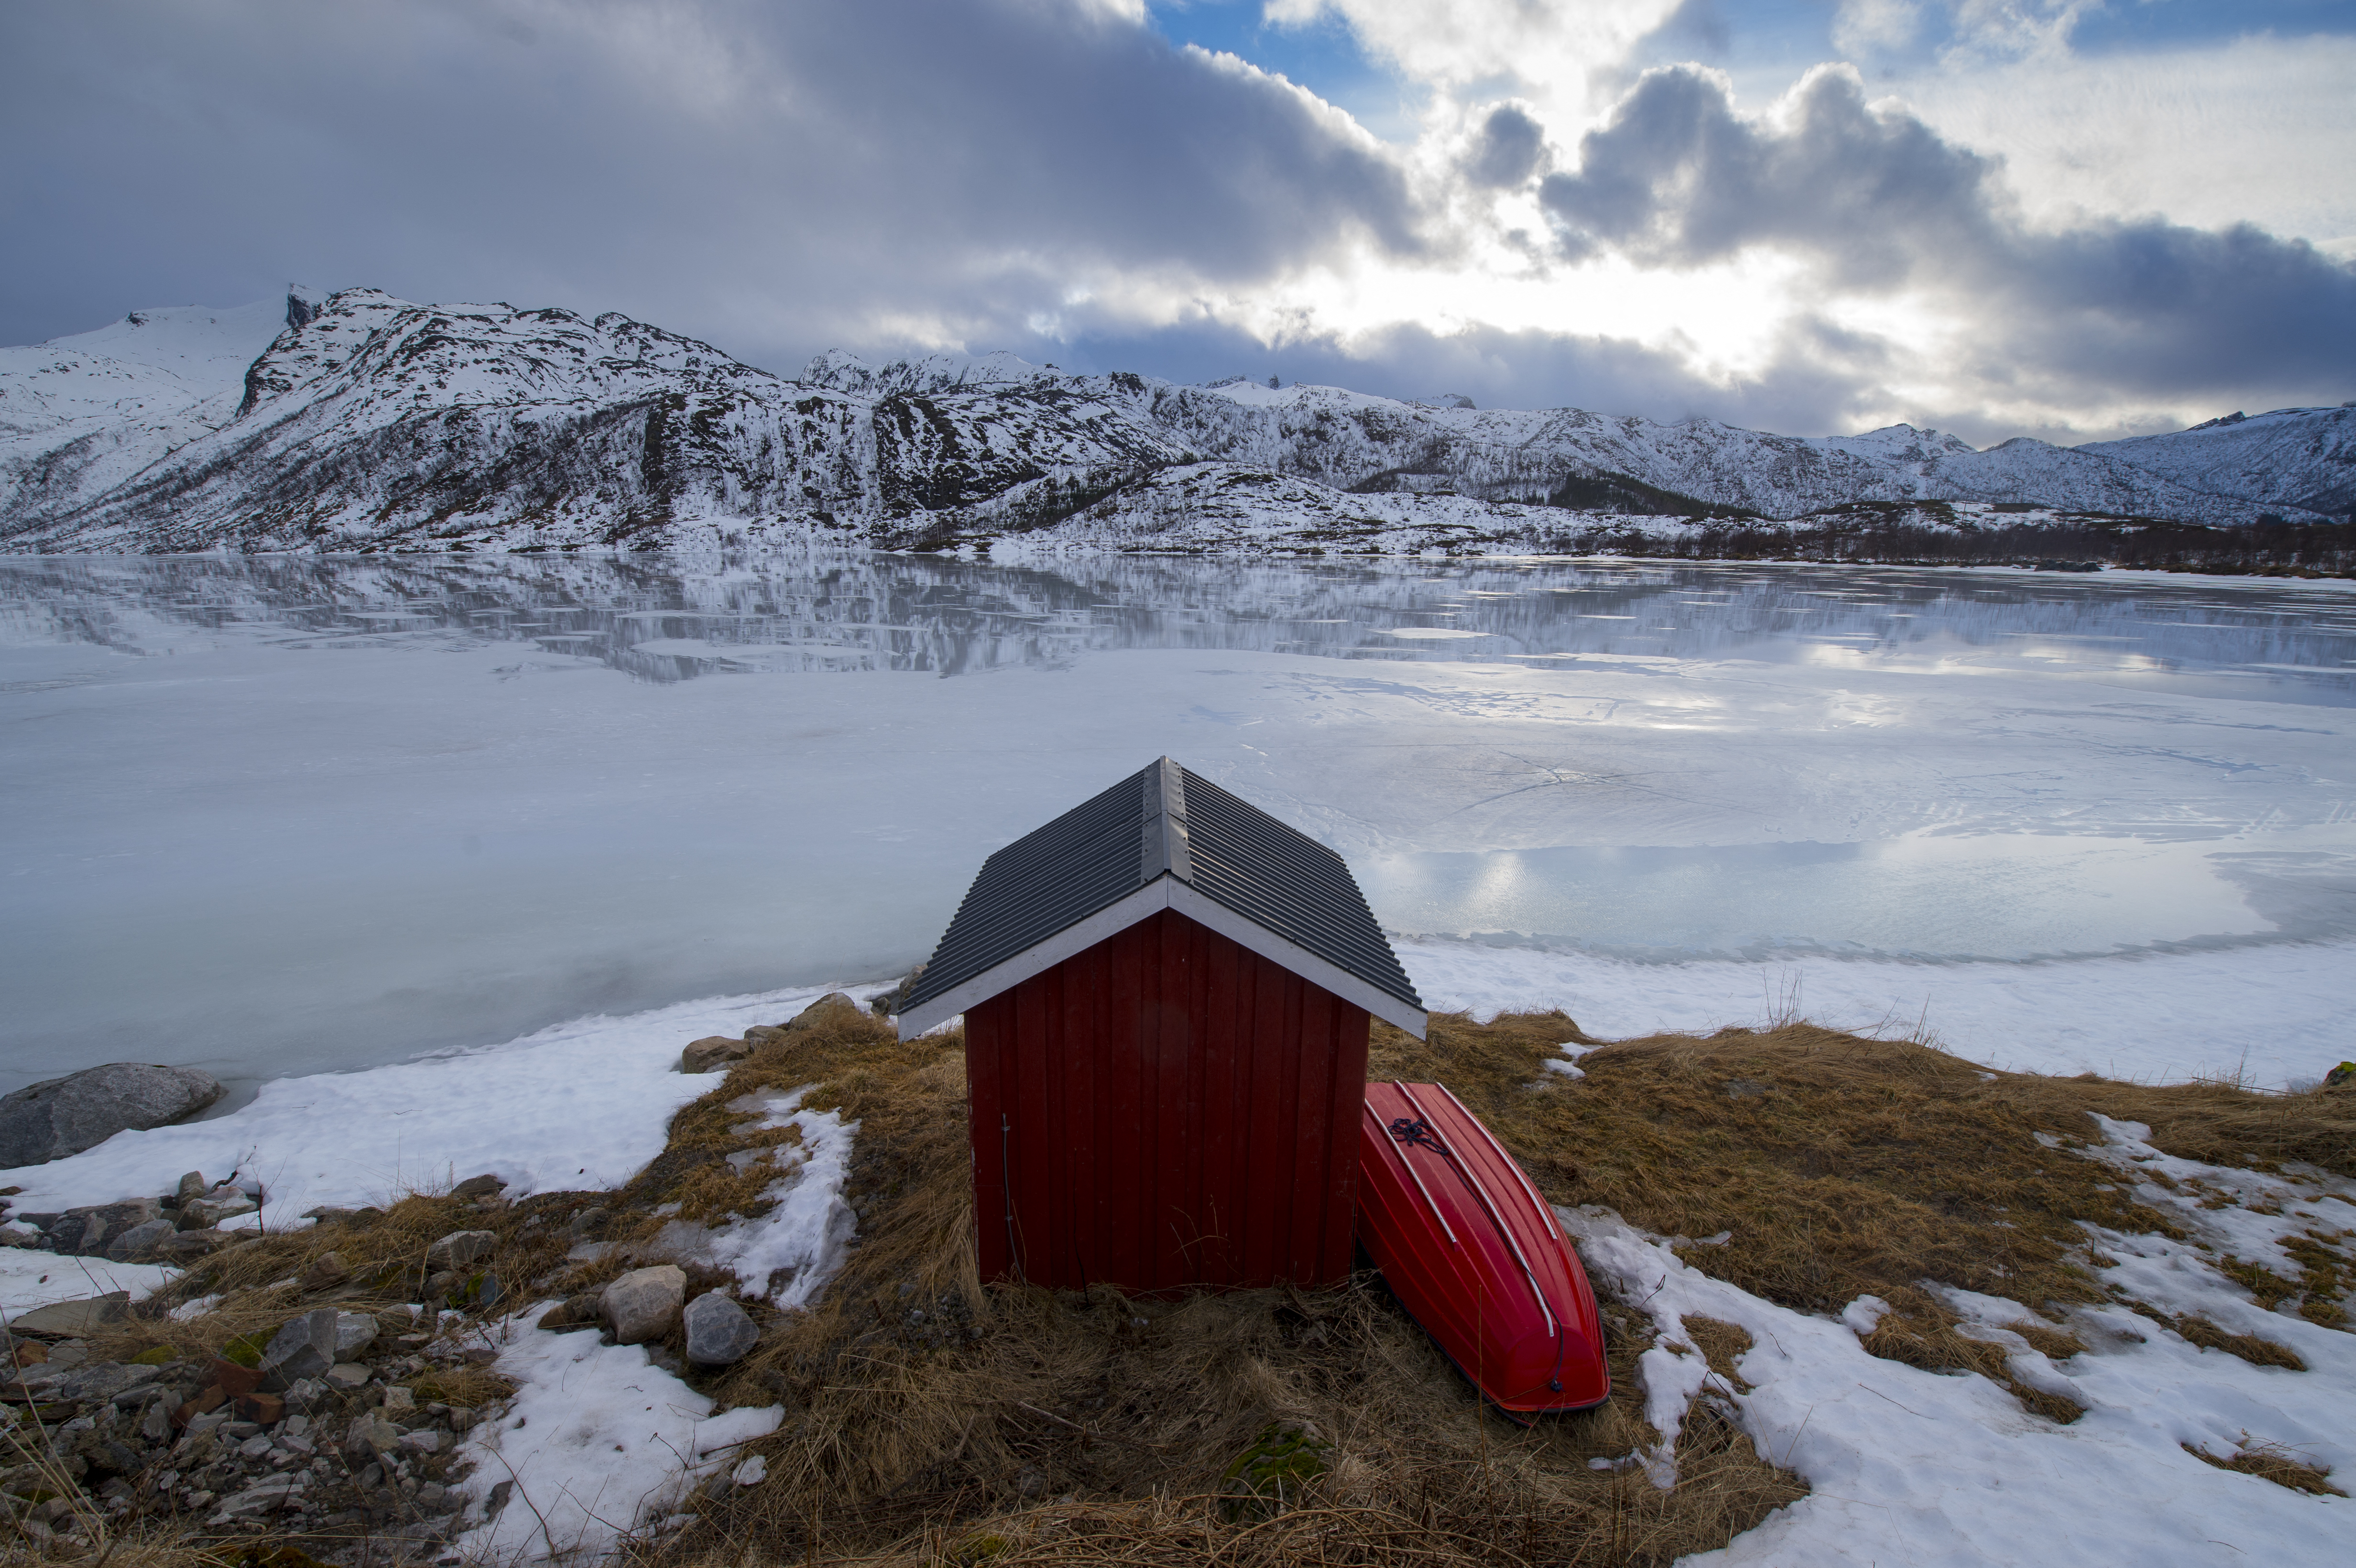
(277, 815)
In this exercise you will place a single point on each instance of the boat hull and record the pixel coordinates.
(1474, 1254)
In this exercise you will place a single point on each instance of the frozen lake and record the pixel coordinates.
(282, 816)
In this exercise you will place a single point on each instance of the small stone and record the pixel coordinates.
(643, 1304)
(189, 1246)
(303, 1347)
(398, 1403)
(207, 1214)
(192, 1185)
(371, 1433)
(720, 1333)
(460, 1248)
(483, 1186)
(355, 1332)
(426, 1441)
(713, 1050)
(760, 1035)
(588, 1222)
(346, 1379)
(325, 1272)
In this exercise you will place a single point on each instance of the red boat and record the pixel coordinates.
(1474, 1254)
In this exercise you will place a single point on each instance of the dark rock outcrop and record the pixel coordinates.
(60, 1116)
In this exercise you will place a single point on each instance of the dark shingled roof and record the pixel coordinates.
(1164, 821)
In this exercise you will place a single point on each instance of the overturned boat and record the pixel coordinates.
(1472, 1251)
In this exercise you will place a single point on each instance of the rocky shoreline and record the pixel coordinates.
(319, 1386)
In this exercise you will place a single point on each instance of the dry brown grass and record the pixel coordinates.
(925, 1413)
(1845, 1166)
(2274, 1461)
(263, 1282)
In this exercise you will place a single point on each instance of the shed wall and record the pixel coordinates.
(1167, 1110)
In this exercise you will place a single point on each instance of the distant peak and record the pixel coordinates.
(303, 304)
(940, 372)
(2236, 417)
(1445, 400)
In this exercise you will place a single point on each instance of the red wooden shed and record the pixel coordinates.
(1166, 995)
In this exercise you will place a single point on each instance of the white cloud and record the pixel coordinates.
(2259, 130)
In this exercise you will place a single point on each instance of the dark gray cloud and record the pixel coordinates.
(1876, 201)
(1507, 151)
(767, 175)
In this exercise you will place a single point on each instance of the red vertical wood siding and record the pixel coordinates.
(1166, 1111)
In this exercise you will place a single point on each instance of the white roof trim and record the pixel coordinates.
(1162, 892)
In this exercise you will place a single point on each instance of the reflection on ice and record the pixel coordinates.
(284, 815)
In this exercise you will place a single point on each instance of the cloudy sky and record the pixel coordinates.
(2070, 218)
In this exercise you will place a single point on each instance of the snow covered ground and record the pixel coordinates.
(1915, 1467)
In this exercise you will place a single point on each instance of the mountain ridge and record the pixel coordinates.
(367, 421)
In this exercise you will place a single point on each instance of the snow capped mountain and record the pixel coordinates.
(361, 421)
(81, 415)
(2297, 457)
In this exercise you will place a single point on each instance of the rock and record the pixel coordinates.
(348, 1378)
(264, 1497)
(59, 1116)
(189, 1246)
(588, 1222)
(62, 1233)
(426, 1441)
(2342, 1077)
(132, 1244)
(355, 1332)
(74, 1319)
(484, 1186)
(370, 1435)
(325, 1272)
(643, 1304)
(206, 1213)
(834, 1006)
(459, 1249)
(399, 1404)
(713, 1050)
(584, 1311)
(760, 1035)
(718, 1332)
(192, 1185)
(303, 1347)
(311, 1346)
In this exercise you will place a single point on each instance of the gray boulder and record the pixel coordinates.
(643, 1303)
(133, 1245)
(459, 1248)
(718, 1332)
(59, 1116)
(710, 1052)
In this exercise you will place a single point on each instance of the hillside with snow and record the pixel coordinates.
(362, 421)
